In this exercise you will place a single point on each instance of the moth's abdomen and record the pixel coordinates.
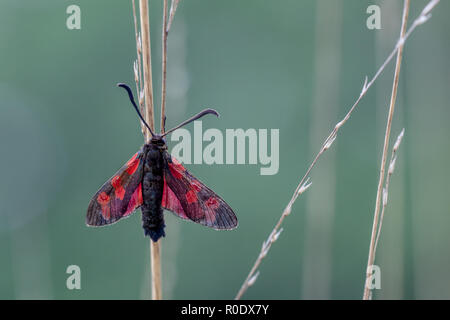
(152, 192)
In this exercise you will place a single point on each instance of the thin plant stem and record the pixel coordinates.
(391, 169)
(304, 182)
(147, 66)
(164, 67)
(137, 67)
(155, 251)
(167, 22)
(155, 247)
(173, 9)
(387, 135)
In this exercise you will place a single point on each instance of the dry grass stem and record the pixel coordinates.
(147, 65)
(155, 252)
(145, 99)
(376, 217)
(391, 169)
(173, 9)
(145, 92)
(164, 67)
(137, 67)
(304, 184)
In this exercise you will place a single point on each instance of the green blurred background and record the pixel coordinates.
(293, 65)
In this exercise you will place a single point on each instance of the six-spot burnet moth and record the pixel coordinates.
(154, 180)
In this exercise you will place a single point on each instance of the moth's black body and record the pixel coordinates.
(152, 189)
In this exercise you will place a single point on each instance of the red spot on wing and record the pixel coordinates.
(176, 169)
(175, 172)
(106, 212)
(120, 193)
(196, 186)
(135, 201)
(118, 188)
(212, 203)
(171, 202)
(132, 164)
(103, 199)
(191, 196)
(115, 182)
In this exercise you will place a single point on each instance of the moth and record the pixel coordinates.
(153, 180)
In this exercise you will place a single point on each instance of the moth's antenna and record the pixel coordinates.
(197, 116)
(130, 95)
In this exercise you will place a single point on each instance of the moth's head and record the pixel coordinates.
(159, 138)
